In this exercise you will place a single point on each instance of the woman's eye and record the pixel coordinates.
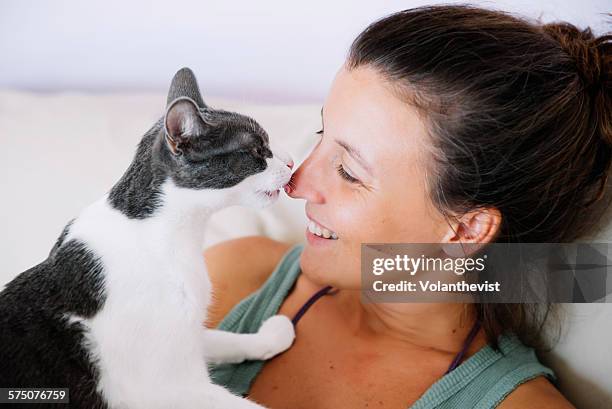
(345, 175)
(341, 171)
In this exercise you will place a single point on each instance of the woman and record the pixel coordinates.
(446, 124)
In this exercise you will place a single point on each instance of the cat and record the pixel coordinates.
(116, 311)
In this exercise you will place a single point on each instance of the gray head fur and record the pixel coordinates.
(198, 147)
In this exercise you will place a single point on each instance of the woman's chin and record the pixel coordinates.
(324, 268)
(314, 267)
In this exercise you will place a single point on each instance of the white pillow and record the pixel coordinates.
(61, 152)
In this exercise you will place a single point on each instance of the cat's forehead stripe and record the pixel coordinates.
(253, 126)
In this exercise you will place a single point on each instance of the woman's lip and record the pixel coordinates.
(317, 222)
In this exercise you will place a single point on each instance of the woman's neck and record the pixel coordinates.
(433, 326)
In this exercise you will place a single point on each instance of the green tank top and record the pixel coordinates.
(482, 381)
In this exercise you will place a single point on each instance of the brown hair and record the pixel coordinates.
(520, 118)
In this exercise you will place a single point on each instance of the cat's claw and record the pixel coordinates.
(277, 334)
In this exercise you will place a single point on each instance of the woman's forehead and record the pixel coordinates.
(362, 110)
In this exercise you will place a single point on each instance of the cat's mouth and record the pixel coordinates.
(271, 193)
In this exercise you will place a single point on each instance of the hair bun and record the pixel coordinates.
(591, 54)
(593, 58)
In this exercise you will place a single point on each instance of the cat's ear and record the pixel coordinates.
(182, 123)
(184, 84)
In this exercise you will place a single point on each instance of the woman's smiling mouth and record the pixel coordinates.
(320, 231)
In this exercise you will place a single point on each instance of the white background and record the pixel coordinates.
(251, 50)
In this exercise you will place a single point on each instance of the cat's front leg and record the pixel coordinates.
(274, 336)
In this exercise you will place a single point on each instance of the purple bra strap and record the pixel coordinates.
(466, 345)
(323, 291)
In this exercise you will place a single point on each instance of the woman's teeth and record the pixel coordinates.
(317, 230)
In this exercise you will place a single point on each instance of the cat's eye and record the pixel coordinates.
(261, 152)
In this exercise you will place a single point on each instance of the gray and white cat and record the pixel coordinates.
(115, 312)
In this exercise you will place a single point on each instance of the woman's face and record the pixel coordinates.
(365, 180)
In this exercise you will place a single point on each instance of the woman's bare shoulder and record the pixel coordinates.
(237, 268)
(537, 393)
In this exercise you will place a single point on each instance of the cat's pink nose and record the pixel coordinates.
(290, 164)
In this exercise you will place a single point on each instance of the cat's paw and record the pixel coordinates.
(276, 335)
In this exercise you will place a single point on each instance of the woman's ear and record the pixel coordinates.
(478, 226)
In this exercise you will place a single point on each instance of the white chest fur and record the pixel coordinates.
(157, 291)
(148, 339)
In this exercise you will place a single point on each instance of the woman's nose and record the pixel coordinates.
(306, 182)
